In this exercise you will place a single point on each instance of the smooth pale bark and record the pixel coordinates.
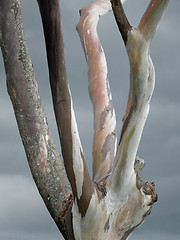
(142, 78)
(126, 199)
(104, 144)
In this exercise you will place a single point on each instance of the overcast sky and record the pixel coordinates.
(23, 215)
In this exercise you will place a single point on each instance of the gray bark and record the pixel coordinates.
(44, 160)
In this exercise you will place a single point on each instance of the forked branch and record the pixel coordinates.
(142, 80)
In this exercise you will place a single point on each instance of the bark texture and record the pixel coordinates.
(126, 199)
(44, 160)
(117, 200)
(99, 90)
(74, 161)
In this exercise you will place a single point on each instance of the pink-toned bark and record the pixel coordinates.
(99, 90)
(126, 199)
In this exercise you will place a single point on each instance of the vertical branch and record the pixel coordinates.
(71, 147)
(45, 163)
(99, 90)
(142, 78)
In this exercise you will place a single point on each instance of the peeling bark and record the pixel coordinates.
(117, 198)
(104, 115)
(125, 199)
(72, 152)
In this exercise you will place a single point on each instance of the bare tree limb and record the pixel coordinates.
(142, 78)
(70, 142)
(99, 90)
(122, 200)
(121, 19)
(151, 18)
(45, 163)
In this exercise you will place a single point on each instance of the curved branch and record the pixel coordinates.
(70, 142)
(45, 163)
(142, 78)
(99, 90)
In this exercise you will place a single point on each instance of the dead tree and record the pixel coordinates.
(116, 197)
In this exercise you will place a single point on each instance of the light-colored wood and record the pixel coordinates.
(125, 199)
(104, 143)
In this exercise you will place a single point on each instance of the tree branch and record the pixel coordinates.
(70, 143)
(45, 163)
(99, 90)
(142, 78)
(151, 18)
(121, 19)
